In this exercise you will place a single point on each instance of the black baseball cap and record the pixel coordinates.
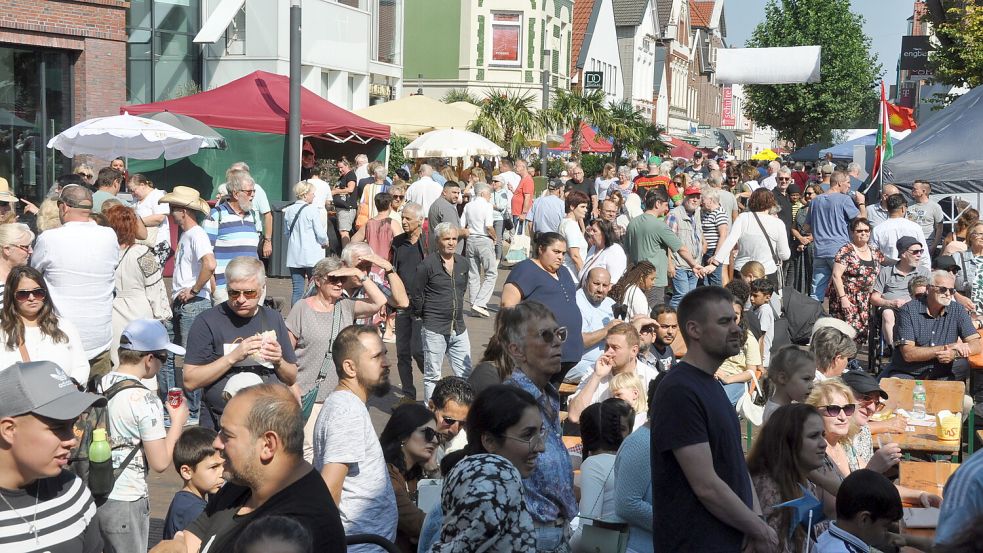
(946, 263)
(906, 242)
(862, 383)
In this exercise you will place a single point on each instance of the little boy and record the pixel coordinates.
(761, 291)
(200, 465)
(867, 504)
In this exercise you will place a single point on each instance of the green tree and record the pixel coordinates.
(805, 113)
(572, 108)
(508, 118)
(460, 95)
(630, 131)
(396, 158)
(958, 61)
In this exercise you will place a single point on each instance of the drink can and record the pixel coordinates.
(174, 397)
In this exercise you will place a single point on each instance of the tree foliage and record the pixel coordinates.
(396, 145)
(460, 95)
(508, 118)
(805, 113)
(958, 60)
(630, 131)
(572, 108)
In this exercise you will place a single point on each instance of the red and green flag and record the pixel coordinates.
(885, 149)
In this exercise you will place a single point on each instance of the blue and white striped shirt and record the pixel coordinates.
(232, 235)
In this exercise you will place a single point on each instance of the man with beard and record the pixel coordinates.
(231, 227)
(657, 338)
(696, 455)
(262, 441)
(346, 449)
(598, 312)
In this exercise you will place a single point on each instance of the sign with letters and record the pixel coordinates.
(914, 53)
(593, 80)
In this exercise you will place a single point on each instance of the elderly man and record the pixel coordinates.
(829, 217)
(927, 213)
(878, 213)
(935, 335)
(362, 167)
(685, 222)
(609, 213)
(262, 443)
(853, 170)
(620, 356)
(444, 209)
(237, 336)
(231, 227)
(425, 190)
(480, 226)
(727, 200)
(407, 255)
(263, 211)
(579, 182)
(771, 180)
(438, 299)
(598, 312)
(78, 261)
(548, 211)
(523, 194)
(887, 234)
(891, 287)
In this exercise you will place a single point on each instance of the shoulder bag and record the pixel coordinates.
(601, 536)
(308, 399)
(774, 256)
(751, 405)
(293, 223)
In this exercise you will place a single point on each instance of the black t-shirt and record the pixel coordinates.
(306, 501)
(345, 201)
(218, 331)
(406, 257)
(690, 407)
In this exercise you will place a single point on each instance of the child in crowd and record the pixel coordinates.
(200, 466)
(867, 503)
(761, 292)
(792, 373)
(752, 271)
(742, 292)
(275, 534)
(734, 373)
(628, 386)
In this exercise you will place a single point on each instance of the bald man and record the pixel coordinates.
(598, 311)
(878, 213)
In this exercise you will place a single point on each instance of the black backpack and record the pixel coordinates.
(799, 313)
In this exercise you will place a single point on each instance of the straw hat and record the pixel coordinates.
(5, 194)
(185, 196)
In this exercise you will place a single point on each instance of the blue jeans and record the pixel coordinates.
(456, 346)
(177, 329)
(682, 283)
(734, 391)
(822, 271)
(553, 539)
(716, 278)
(298, 278)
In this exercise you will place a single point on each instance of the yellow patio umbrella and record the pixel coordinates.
(767, 155)
(412, 116)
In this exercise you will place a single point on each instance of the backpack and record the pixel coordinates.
(799, 313)
(91, 419)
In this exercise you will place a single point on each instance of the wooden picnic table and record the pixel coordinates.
(939, 396)
(926, 477)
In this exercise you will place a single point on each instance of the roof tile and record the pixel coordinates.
(582, 10)
(700, 13)
(628, 12)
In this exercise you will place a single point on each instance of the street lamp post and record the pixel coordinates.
(293, 121)
(546, 104)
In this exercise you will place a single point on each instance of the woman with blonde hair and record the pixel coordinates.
(16, 241)
(154, 214)
(605, 181)
(628, 387)
(306, 238)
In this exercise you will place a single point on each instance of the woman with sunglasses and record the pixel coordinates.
(31, 331)
(16, 241)
(483, 499)
(802, 247)
(855, 269)
(140, 291)
(408, 442)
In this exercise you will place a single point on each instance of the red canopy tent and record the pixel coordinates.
(260, 102)
(681, 148)
(589, 141)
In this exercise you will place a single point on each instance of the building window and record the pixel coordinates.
(507, 38)
(387, 22)
(235, 35)
(162, 61)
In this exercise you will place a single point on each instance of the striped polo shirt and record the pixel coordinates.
(232, 235)
(62, 516)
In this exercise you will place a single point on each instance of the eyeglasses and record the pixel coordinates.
(835, 410)
(557, 334)
(875, 399)
(27, 248)
(248, 294)
(24, 295)
(944, 290)
(429, 434)
(536, 439)
(335, 279)
(862, 231)
(251, 192)
(784, 178)
(648, 329)
(85, 175)
(915, 252)
(395, 197)
(451, 422)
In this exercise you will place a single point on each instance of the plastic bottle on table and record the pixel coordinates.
(918, 400)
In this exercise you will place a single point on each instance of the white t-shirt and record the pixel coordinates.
(766, 316)
(69, 356)
(193, 246)
(612, 258)
(151, 205)
(570, 230)
(636, 301)
(322, 191)
(511, 180)
(134, 414)
(424, 192)
(81, 286)
(344, 434)
(643, 370)
(478, 216)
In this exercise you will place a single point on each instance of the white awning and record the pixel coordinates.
(218, 21)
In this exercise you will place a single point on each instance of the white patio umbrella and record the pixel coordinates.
(452, 143)
(127, 136)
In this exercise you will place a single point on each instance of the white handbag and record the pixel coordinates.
(751, 405)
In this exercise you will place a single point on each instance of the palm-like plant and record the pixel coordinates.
(460, 95)
(625, 126)
(508, 118)
(572, 108)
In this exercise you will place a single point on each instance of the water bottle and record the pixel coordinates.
(100, 464)
(918, 400)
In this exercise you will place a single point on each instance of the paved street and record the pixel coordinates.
(163, 486)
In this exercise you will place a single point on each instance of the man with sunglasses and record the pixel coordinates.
(935, 335)
(451, 400)
(878, 213)
(237, 335)
(78, 260)
(891, 285)
(886, 234)
(231, 227)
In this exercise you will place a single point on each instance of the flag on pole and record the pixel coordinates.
(885, 149)
(901, 118)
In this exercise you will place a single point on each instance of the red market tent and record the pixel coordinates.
(681, 148)
(260, 102)
(589, 141)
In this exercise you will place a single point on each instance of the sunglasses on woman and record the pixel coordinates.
(248, 294)
(429, 434)
(873, 399)
(25, 295)
(558, 334)
(834, 410)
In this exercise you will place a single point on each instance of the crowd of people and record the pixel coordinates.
(654, 295)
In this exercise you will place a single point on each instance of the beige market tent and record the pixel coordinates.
(412, 116)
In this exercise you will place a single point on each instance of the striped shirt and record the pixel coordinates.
(963, 500)
(62, 516)
(232, 235)
(711, 222)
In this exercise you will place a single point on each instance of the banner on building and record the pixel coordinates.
(906, 94)
(727, 118)
(914, 53)
(506, 32)
(796, 64)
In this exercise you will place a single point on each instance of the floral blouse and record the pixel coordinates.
(769, 496)
(484, 510)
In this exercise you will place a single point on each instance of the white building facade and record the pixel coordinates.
(599, 49)
(638, 28)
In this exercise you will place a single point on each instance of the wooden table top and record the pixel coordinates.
(926, 477)
(939, 395)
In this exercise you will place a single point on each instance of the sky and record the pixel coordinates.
(885, 22)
